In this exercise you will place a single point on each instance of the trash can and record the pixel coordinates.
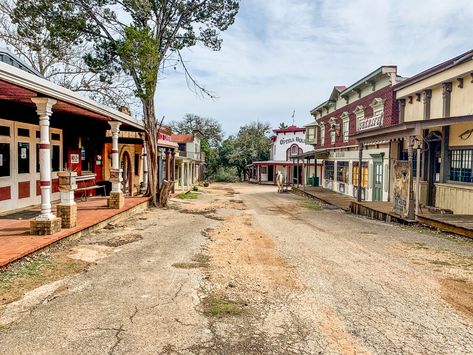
(315, 181)
(310, 181)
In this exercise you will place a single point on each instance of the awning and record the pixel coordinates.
(317, 154)
(407, 129)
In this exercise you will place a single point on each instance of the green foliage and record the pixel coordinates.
(219, 307)
(226, 174)
(195, 188)
(187, 196)
(282, 125)
(210, 128)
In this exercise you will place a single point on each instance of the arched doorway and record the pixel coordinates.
(126, 174)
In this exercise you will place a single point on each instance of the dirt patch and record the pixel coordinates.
(120, 240)
(459, 293)
(245, 256)
(16, 281)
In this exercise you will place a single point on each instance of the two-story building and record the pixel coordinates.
(285, 144)
(435, 123)
(190, 160)
(365, 105)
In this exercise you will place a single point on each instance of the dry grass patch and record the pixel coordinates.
(220, 307)
(17, 280)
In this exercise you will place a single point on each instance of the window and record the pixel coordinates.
(55, 137)
(461, 164)
(23, 132)
(55, 158)
(332, 137)
(137, 164)
(5, 131)
(322, 134)
(23, 158)
(342, 171)
(264, 170)
(346, 129)
(328, 170)
(4, 159)
(364, 174)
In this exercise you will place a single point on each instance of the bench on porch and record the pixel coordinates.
(90, 188)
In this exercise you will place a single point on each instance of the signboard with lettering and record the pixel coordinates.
(74, 158)
(401, 186)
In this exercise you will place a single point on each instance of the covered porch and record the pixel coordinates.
(17, 241)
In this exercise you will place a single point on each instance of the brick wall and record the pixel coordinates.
(391, 116)
(5, 193)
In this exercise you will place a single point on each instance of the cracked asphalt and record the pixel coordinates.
(305, 281)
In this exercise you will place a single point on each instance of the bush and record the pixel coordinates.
(195, 188)
(226, 175)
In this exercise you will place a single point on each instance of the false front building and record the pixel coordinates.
(367, 104)
(285, 144)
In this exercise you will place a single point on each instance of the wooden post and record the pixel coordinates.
(360, 163)
(410, 159)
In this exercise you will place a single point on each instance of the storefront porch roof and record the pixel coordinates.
(317, 153)
(18, 86)
(407, 129)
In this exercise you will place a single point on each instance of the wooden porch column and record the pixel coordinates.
(410, 159)
(173, 171)
(116, 199)
(167, 173)
(144, 157)
(360, 163)
(303, 174)
(46, 223)
(444, 162)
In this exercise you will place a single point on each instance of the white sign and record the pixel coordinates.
(1, 159)
(371, 122)
(74, 158)
(291, 140)
(23, 153)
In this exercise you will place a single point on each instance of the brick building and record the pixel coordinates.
(366, 105)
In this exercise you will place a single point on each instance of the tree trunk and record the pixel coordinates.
(151, 134)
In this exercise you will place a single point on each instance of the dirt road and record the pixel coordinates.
(244, 270)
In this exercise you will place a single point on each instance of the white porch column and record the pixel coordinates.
(46, 222)
(144, 155)
(116, 199)
(181, 175)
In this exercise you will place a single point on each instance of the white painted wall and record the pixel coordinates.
(285, 140)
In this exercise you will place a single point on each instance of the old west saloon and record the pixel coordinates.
(367, 104)
(435, 123)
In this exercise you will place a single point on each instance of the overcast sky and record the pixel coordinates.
(285, 55)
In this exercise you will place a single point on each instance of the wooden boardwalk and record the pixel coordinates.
(379, 210)
(454, 223)
(325, 196)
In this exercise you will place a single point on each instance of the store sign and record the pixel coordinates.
(291, 140)
(23, 153)
(401, 186)
(74, 158)
(371, 122)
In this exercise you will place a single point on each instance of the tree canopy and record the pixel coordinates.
(209, 127)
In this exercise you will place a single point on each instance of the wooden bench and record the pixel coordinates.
(89, 188)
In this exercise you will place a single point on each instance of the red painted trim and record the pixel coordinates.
(45, 183)
(23, 189)
(44, 146)
(5, 193)
(114, 151)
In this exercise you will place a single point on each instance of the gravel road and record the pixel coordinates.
(245, 270)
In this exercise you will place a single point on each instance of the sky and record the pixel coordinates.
(286, 55)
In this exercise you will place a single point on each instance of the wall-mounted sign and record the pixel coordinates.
(23, 153)
(371, 122)
(291, 140)
(74, 158)
(1, 159)
(401, 186)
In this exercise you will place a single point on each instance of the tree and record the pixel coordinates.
(137, 37)
(64, 65)
(282, 125)
(251, 144)
(209, 127)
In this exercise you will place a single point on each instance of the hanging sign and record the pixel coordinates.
(74, 158)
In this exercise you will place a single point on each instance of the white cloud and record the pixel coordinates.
(287, 54)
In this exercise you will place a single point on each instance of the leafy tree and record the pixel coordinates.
(210, 128)
(64, 65)
(137, 37)
(212, 161)
(282, 125)
(251, 144)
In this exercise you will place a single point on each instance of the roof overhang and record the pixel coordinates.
(19, 86)
(317, 153)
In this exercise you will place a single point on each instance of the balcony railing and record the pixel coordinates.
(200, 156)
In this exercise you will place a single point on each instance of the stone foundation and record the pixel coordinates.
(68, 215)
(116, 200)
(48, 227)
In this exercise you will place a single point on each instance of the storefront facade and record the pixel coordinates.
(366, 105)
(285, 145)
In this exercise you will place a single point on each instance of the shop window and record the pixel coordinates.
(364, 174)
(137, 164)
(329, 170)
(342, 171)
(404, 156)
(55, 158)
(23, 132)
(55, 137)
(264, 170)
(461, 165)
(5, 131)
(4, 159)
(23, 158)
(38, 134)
